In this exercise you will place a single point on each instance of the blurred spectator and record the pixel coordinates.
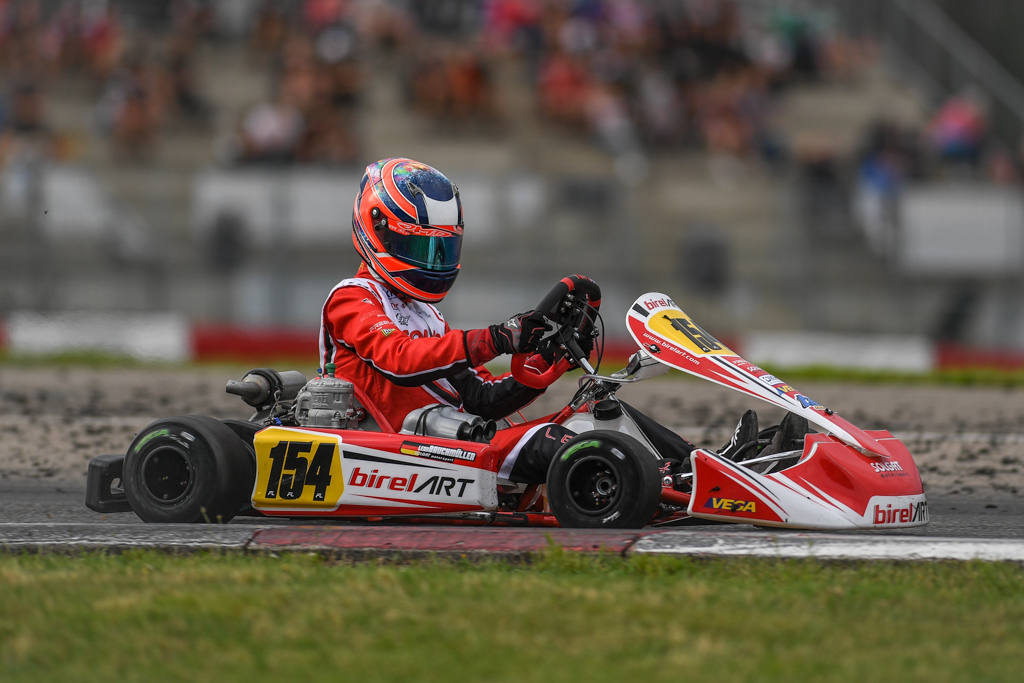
(513, 24)
(564, 87)
(271, 132)
(606, 112)
(957, 131)
(1000, 168)
(661, 108)
(102, 42)
(191, 20)
(803, 48)
(385, 26)
(341, 83)
(634, 73)
(130, 109)
(469, 86)
(26, 113)
(681, 70)
(297, 81)
(842, 58)
(427, 87)
(328, 138)
(318, 79)
(451, 85)
(270, 29)
(335, 44)
(823, 198)
(136, 120)
(890, 157)
(184, 92)
(318, 15)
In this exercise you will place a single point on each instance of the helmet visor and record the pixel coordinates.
(429, 253)
(429, 281)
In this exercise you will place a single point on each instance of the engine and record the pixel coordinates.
(325, 402)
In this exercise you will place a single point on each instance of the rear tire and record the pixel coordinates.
(188, 469)
(604, 480)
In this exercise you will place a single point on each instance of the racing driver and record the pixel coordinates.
(383, 333)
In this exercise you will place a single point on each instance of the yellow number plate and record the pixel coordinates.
(297, 470)
(675, 326)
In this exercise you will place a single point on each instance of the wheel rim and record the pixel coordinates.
(593, 485)
(167, 474)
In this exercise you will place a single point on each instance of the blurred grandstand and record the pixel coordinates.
(821, 167)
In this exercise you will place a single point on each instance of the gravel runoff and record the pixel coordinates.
(967, 441)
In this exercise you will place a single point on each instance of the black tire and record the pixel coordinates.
(604, 480)
(188, 469)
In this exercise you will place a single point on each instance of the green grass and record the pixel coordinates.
(87, 359)
(991, 377)
(981, 376)
(102, 361)
(151, 617)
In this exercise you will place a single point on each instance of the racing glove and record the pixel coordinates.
(519, 334)
(554, 353)
(585, 342)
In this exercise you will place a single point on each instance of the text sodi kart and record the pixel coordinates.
(307, 452)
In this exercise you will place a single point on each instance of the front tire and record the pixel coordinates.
(188, 469)
(604, 480)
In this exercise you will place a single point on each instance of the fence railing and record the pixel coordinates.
(939, 55)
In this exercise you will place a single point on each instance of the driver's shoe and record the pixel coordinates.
(790, 436)
(746, 431)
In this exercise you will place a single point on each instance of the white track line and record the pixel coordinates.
(15, 535)
(829, 546)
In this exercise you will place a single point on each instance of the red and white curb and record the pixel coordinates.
(170, 337)
(397, 540)
(407, 542)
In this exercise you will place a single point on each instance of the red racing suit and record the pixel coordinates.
(401, 355)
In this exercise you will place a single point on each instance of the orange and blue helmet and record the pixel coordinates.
(407, 227)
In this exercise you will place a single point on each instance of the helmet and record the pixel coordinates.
(407, 227)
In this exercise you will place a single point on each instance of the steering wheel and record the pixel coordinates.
(568, 307)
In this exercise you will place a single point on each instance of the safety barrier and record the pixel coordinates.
(168, 338)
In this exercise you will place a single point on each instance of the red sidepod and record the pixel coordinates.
(833, 486)
(852, 478)
(372, 461)
(722, 490)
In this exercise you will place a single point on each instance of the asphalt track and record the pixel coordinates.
(968, 443)
(39, 516)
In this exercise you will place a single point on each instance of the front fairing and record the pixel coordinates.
(834, 486)
(847, 478)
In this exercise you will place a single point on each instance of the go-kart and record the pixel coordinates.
(313, 450)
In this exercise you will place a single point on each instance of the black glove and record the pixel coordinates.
(587, 335)
(586, 343)
(553, 352)
(586, 338)
(520, 334)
